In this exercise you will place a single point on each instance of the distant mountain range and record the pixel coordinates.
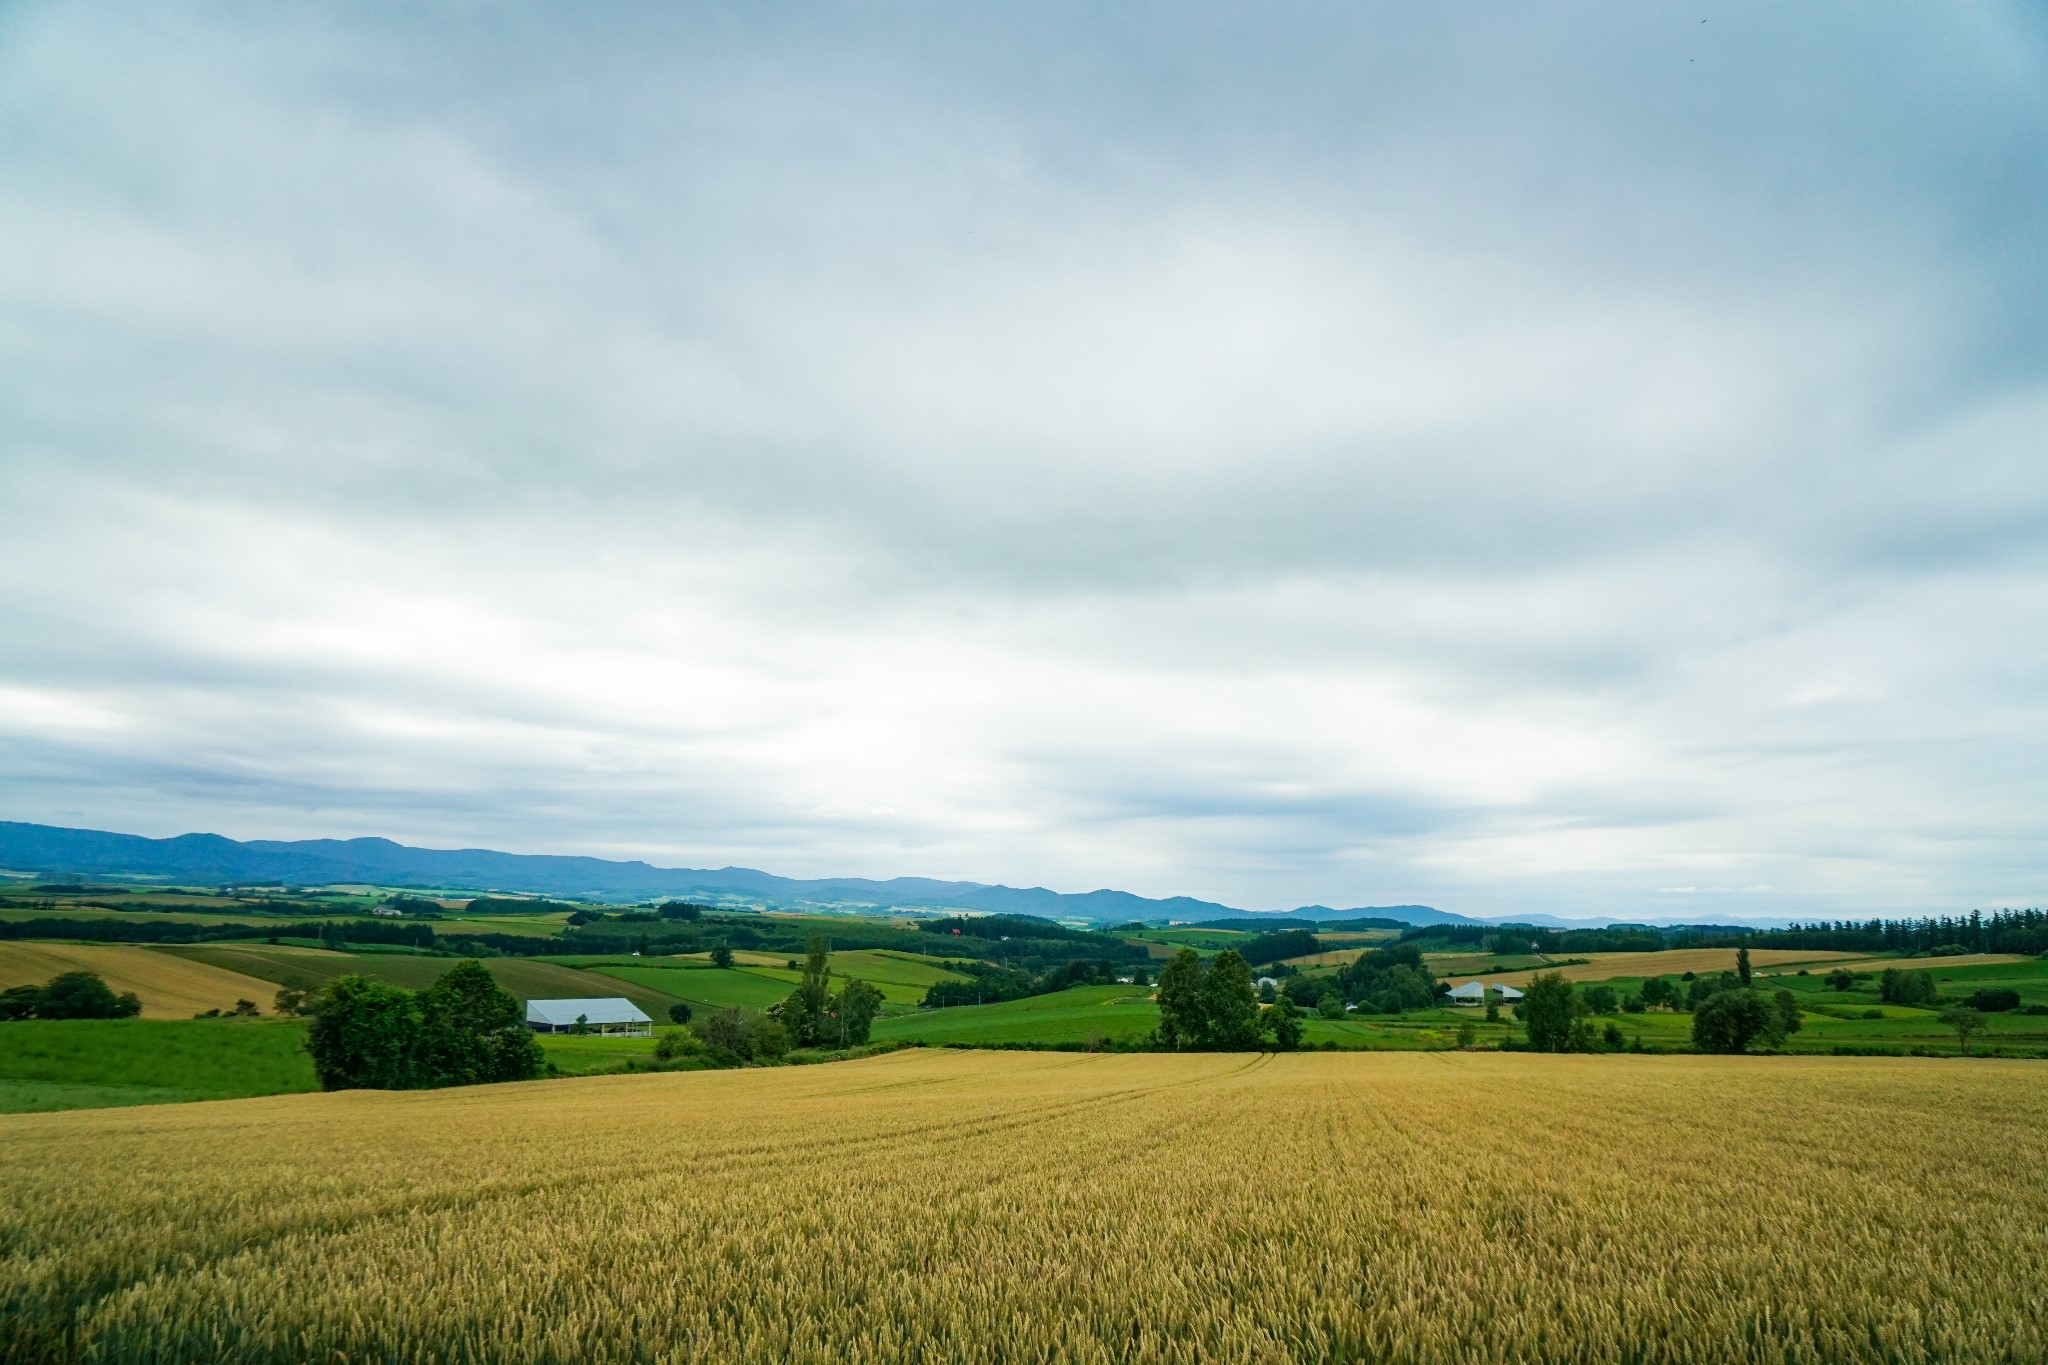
(211, 860)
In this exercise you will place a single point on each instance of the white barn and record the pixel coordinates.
(599, 1014)
(1474, 993)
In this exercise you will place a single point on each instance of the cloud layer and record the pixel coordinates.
(1594, 461)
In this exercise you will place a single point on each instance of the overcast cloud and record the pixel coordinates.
(1582, 459)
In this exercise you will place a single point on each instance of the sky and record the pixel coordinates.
(1587, 459)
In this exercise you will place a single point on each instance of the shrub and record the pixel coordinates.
(673, 1043)
(1995, 999)
(679, 1013)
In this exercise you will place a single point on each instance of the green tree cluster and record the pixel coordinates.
(462, 1030)
(69, 995)
(733, 1037)
(815, 1016)
(1389, 981)
(1900, 987)
(1732, 1021)
(1213, 1008)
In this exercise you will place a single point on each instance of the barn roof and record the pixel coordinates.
(610, 1009)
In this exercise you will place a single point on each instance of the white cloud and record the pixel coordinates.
(1468, 485)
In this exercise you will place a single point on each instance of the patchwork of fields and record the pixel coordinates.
(1671, 962)
(309, 968)
(169, 987)
(1402, 1207)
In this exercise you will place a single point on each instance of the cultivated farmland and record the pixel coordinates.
(170, 987)
(526, 978)
(1671, 962)
(1000, 1207)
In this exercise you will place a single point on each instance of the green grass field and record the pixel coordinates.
(1124, 1013)
(700, 985)
(591, 1055)
(87, 1063)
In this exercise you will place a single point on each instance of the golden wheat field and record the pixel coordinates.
(170, 987)
(950, 1206)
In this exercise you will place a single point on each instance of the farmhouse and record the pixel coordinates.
(1474, 993)
(605, 1014)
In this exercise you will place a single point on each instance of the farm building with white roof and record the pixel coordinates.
(600, 1014)
(1474, 993)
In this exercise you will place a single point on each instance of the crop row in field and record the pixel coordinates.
(999, 1207)
(310, 968)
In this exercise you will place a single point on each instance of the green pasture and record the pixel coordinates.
(1076, 1015)
(526, 926)
(88, 1063)
(590, 1054)
(700, 985)
(1476, 964)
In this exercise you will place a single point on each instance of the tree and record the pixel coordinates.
(679, 1013)
(1742, 966)
(1633, 1005)
(19, 1002)
(1331, 1006)
(767, 1039)
(1180, 1002)
(1730, 1021)
(1841, 979)
(1995, 999)
(806, 1013)
(472, 1032)
(673, 1043)
(1549, 1008)
(1965, 1020)
(292, 1000)
(1138, 977)
(1467, 1035)
(678, 910)
(363, 1035)
(1268, 992)
(1602, 1000)
(1492, 1005)
(83, 995)
(721, 955)
(853, 1012)
(1657, 992)
(1280, 1019)
(1789, 1022)
(1230, 1009)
